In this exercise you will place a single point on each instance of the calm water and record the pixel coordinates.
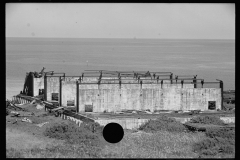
(209, 59)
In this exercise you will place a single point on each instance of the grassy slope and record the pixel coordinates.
(158, 145)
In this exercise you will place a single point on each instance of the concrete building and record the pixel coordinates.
(111, 91)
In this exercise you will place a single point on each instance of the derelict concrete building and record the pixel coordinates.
(111, 91)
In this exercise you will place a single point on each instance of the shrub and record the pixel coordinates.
(208, 152)
(220, 140)
(13, 153)
(207, 120)
(85, 134)
(222, 132)
(92, 126)
(163, 123)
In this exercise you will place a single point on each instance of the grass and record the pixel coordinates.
(58, 151)
(218, 142)
(215, 120)
(162, 144)
(163, 123)
(144, 145)
(164, 138)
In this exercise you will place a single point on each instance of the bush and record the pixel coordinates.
(13, 153)
(222, 132)
(87, 133)
(218, 141)
(207, 120)
(92, 126)
(163, 123)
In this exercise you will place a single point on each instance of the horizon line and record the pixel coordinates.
(135, 38)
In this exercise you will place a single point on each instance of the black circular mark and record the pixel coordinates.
(113, 132)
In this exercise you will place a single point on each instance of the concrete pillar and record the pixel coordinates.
(171, 77)
(202, 81)
(182, 83)
(221, 86)
(77, 96)
(195, 81)
(45, 87)
(120, 82)
(60, 91)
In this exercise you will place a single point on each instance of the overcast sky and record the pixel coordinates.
(151, 20)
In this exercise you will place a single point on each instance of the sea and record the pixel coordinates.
(209, 59)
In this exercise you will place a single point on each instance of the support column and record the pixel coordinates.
(171, 77)
(195, 81)
(77, 94)
(60, 91)
(45, 87)
(202, 81)
(32, 85)
(221, 86)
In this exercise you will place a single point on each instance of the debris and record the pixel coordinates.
(39, 106)
(180, 111)
(13, 112)
(33, 102)
(26, 120)
(163, 111)
(55, 109)
(186, 111)
(119, 112)
(134, 112)
(194, 112)
(14, 121)
(21, 114)
(41, 124)
(127, 111)
(148, 112)
(11, 105)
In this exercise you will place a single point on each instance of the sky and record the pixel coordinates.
(121, 20)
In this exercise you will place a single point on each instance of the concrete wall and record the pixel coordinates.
(126, 123)
(134, 123)
(52, 87)
(69, 89)
(38, 83)
(153, 99)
